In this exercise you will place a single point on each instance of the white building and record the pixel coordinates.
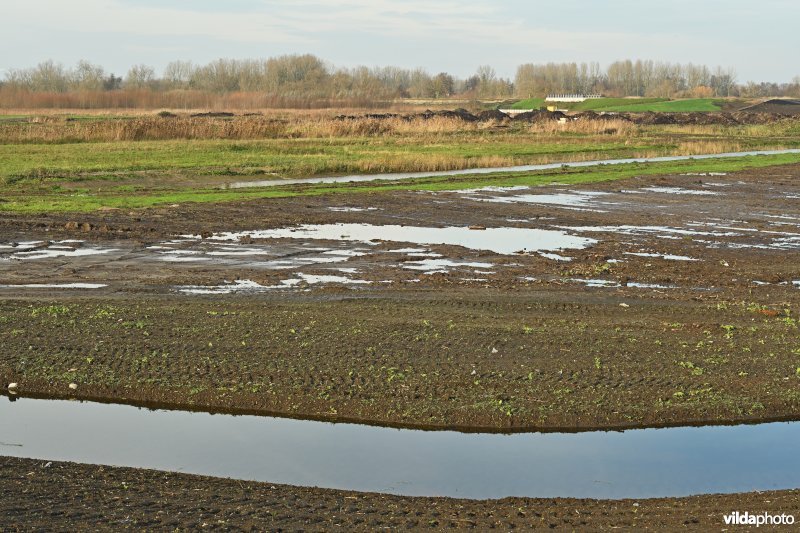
(571, 97)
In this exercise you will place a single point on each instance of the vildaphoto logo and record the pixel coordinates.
(765, 519)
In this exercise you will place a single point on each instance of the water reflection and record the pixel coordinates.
(635, 464)
(492, 170)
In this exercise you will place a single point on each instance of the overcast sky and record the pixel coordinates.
(759, 39)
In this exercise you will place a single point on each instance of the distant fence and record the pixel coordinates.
(571, 97)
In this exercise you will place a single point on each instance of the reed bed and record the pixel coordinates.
(49, 129)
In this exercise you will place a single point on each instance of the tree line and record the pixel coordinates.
(309, 77)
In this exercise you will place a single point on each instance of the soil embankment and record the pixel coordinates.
(36, 495)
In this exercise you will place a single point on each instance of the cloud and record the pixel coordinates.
(439, 34)
(114, 16)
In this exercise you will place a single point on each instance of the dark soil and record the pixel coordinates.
(523, 347)
(776, 106)
(43, 495)
(766, 113)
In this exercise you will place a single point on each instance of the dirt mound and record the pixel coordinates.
(703, 119)
(491, 114)
(462, 114)
(776, 106)
(593, 116)
(538, 116)
(647, 118)
(213, 114)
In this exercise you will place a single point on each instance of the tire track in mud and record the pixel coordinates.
(512, 362)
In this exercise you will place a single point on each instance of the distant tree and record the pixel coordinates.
(140, 77)
(794, 87)
(296, 74)
(471, 84)
(177, 74)
(420, 84)
(220, 76)
(112, 83)
(723, 81)
(442, 85)
(701, 91)
(49, 76)
(88, 77)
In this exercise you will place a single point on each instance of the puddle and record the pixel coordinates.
(239, 285)
(502, 241)
(679, 190)
(494, 188)
(631, 464)
(705, 174)
(246, 285)
(596, 282)
(38, 250)
(659, 231)
(521, 168)
(582, 200)
(556, 257)
(650, 286)
(266, 257)
(442, 265)
(668, 257)
(55, 286)
(352, 209)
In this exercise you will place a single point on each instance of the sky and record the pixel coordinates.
(758, 39)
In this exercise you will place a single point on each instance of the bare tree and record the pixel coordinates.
(140, 77)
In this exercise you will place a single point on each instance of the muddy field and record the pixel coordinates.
(109, 498)
(652, 301)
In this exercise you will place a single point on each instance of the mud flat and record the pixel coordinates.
(91, 496)
(667, 300)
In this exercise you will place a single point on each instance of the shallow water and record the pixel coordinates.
(491, 170)
(499, 240)
(629, 464)
(569, 199)
(55, 286)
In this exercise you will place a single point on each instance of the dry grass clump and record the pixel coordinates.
(51, 129)
(586, 127)
(367, 126)
(141, 129)
(700, 147)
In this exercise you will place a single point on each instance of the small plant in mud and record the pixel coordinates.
(51, 310)
(104, 312)
(598, 364)
(506, 408)
(695, 370)
(394, 374)
(527, 330)
(728, 330)
(604, 268)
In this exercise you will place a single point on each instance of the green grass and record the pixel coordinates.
(86, 202)
(528, 103)
(86, 176)
(632, 105)
(672, 106)
(301, 157)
